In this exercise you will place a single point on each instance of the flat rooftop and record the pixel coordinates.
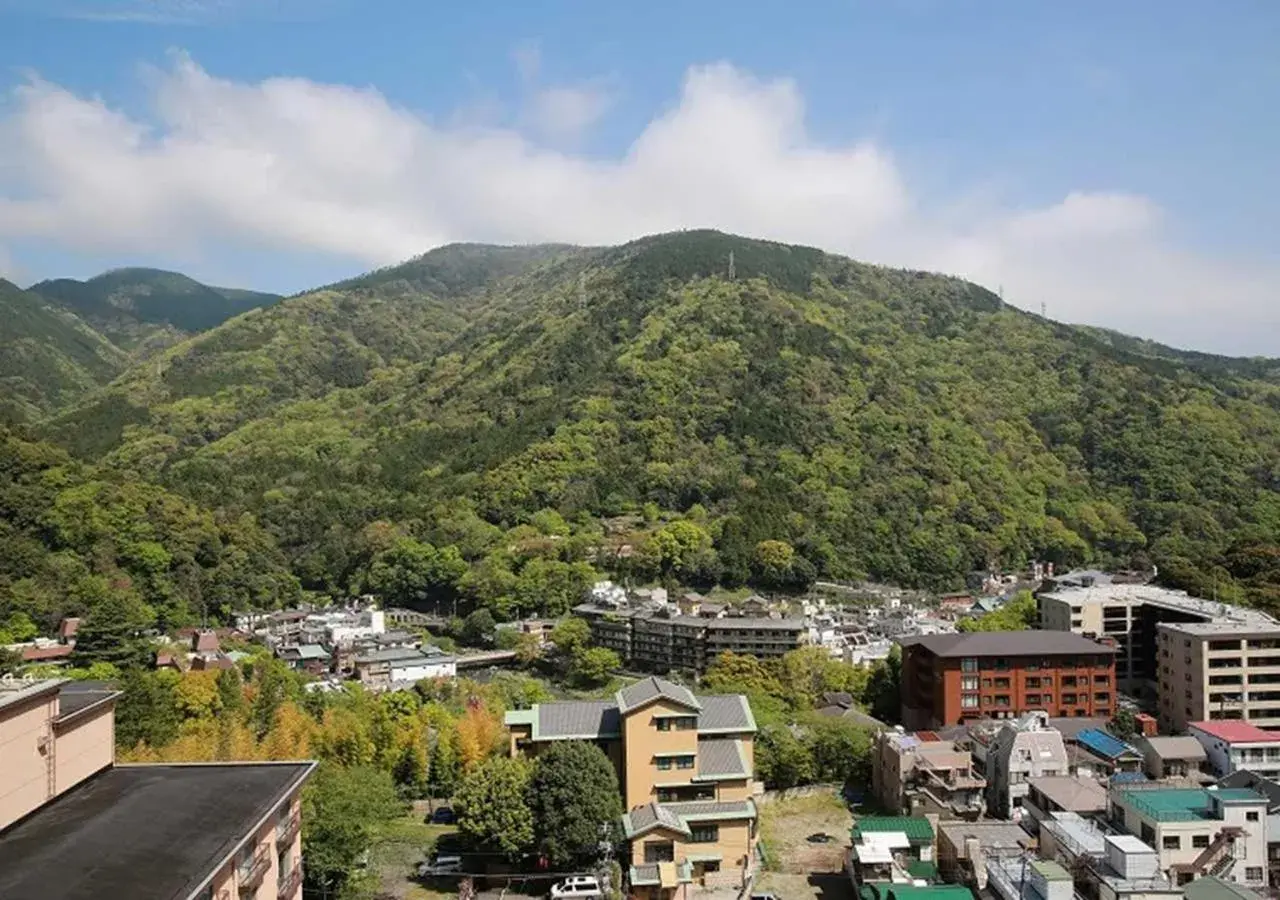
(1184, 804)
(1149, 594)
(145, 832)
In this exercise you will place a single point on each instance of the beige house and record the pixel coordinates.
(685, 766)
(1198, 831)
(75, 825)
(914, 776)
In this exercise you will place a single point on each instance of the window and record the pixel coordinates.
(684, 762)
(1253, 873)
(664, 724)
(1102, 697)
(986, 682)
(1002, 664)
(1101, 679)
(659, 851)
(1002, 699)
(704, 834)
(1171, 842)
(1069, 699)
(1047, 682)
(1199, 841)
(1251, 817)
(664, 763)
(969, 683)
(1033, 699)
(1033, 682)
(711, 865)
(686, 723)
(1002, 682)
(969, 664)
(969, 701)
(1069, 681)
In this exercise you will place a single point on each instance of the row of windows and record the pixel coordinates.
(681, 762)
(1001, 663)
(970, 682)
(677, 723)
(974, 701)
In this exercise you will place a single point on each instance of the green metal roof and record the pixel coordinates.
(916, 828)
(1170, 804)
(918, 868)
(1050, 870)
(1238, 794)
(1209, 887)
(932, 892)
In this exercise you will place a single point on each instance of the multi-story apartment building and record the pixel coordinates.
(1238, 747)
(1218, 670)
(1130, 616)
(1198, 831)
(913, 776)
(666, 641)
(1023, 749)
(949, 679)
(685, 767)
(75, 826)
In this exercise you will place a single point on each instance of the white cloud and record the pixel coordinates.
(565, 113)
(297, 165)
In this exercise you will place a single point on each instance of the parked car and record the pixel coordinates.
(577, 887)
(444, 816)
(441, 865)
(820, 838)
(766, 896)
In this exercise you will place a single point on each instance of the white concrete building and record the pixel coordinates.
(1232, 746)
(1022, 749)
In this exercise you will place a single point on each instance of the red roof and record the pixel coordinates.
(1238, 732)
(928, 736)
(38, 654)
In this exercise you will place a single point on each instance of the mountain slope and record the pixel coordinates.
(48, 356)
(149, 308)
(813, 415)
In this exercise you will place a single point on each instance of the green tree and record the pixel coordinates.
(575, 800)
(147, 711)
(231, 691)
(273, 684)
(410, 771)
(883, 695)
(492, 805)
(782, 759)
(1125, 724)
(1019, 614)
(344, 807)
(478, 629)
(112, 632)
(446, 764)
(594, 666)
(570, 636)
(841, 752)
(416, 574)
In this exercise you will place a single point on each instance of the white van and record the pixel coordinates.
(577, 887)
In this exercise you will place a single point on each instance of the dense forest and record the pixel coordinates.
(493, 427)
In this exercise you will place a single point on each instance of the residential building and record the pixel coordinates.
(1130, 615)
(952, 678)
(1271, 790)
(662, 642)
(1112, 755)
(763, 638)
(1198, 831)
(1232, 746)
(305, 657)
(1180, 756)
(1049, 795)
(610, 626)
(1021, 879)
(75, 826)
(685, 765)
(914, 776)
(1219, 670)
(1104, 866)
(1211, 888)
(965, 847)
(404, 665)
(1021, 750)
(890, 850)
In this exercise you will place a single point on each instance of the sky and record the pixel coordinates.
(1115, 164)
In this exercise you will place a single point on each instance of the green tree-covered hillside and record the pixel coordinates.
(634, 409)
(147, 309)
(48, 356)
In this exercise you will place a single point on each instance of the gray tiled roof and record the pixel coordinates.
(725, 713)
(721, 758)
(633, 696)
(1007, 643)
(401, 654)
(756, 623)
(1182, 746)
(578, 719)
(677, 816)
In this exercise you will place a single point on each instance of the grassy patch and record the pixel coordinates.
(785, 826)
(398, 849)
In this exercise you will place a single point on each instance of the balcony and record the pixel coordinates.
(250, 874)
(288, 830)
(290, 883)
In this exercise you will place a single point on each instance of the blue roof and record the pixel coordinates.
(1103, 743)
(1128, 777)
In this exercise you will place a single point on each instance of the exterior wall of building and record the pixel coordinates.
(733, 846)
(644, 745)
(1250, 851)
(940, 691)
(85, 746)
(1227, 757)
(25, 780)
(1231, 674)
(277, 845)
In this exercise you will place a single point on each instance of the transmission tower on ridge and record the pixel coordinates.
(732, 271)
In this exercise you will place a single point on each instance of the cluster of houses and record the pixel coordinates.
(1040, 807)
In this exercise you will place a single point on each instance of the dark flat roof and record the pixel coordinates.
(1009, 643)
(146, 832)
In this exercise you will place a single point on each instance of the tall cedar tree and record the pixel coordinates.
(575, 801)
(112, 633)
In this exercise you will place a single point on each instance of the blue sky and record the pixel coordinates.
(1059, 150)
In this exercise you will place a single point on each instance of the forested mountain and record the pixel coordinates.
(48, 356)
(147, 309)
(494, 422)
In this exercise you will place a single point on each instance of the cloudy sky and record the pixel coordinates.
(1118, 163)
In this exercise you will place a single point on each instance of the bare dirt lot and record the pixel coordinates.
(786, 826)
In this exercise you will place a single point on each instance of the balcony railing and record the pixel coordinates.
(290, 883)
(288, 830)
(249, 875)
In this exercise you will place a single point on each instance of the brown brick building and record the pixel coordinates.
(950, 678)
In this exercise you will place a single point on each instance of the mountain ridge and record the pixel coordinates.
(876, 421)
